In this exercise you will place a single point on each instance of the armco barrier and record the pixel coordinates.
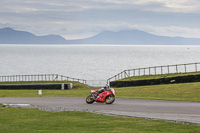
(61, 86)
(178, 79)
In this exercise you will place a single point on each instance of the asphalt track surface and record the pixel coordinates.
(176, 111)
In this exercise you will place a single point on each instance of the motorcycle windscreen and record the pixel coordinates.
(113, 90)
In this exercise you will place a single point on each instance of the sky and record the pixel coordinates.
(75, 19)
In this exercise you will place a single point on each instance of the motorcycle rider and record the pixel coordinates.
(105, 88)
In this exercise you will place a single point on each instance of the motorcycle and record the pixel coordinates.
(107, 96)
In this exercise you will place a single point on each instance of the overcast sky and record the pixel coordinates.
(83, 18)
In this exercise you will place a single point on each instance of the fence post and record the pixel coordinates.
(176, 68)
(185, 68)
(149, 70)
(196, 67)
(124, 74)
(139, 72)
(168, 69)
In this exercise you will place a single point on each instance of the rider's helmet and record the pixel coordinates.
(106, 87)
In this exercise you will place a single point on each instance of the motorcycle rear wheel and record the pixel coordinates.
(110, 99)
(89, 99)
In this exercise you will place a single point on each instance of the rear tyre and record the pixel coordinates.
(89, 99)
(110, 99)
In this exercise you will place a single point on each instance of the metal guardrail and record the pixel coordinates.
(39, 77)
(168, 69)
(51, 77)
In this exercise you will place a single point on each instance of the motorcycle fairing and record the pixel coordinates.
(102, 96)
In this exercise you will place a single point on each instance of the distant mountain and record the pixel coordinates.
(11, 36)
(134, 37)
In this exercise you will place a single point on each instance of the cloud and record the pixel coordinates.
(84, 18)
(183, 6)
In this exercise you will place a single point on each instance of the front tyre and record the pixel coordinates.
(89, 99)
(110, 99)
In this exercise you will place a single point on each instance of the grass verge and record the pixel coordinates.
(23, 120)
(177, 92)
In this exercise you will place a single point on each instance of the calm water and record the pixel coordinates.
(89, 62)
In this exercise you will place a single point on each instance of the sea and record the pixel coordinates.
(90, 62)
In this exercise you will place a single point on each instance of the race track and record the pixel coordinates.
(177, 111)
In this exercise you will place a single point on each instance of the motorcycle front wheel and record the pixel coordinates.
(89, 99)
(110, 99)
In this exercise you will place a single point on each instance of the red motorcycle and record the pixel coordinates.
(107, 96)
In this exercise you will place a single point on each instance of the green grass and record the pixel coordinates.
(23, 120)
(45, 93)
(146, 77)
(179, 92)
